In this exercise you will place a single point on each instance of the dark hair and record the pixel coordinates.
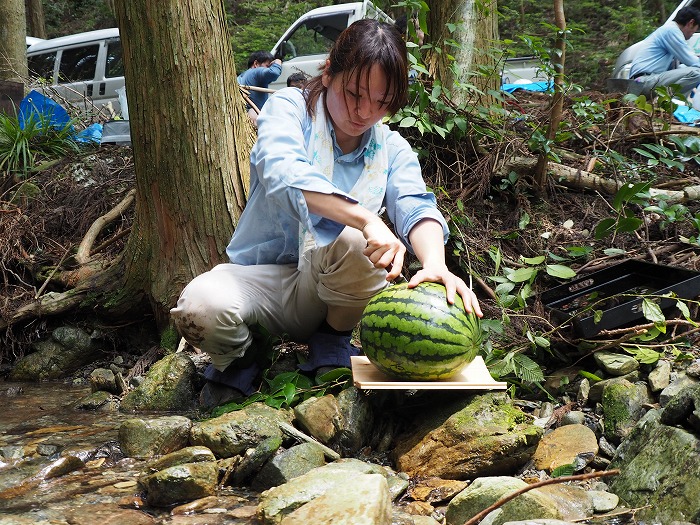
(295, 78)
(359, 47)
(259, 56)
(686, 14)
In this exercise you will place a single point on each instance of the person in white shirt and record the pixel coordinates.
(651, 66)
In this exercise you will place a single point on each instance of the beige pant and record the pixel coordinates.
(215, 310)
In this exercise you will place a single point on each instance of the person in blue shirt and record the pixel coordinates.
(263, 69)
(651, 66)
(311, 247)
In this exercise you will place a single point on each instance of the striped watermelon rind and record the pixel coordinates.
(415, 334)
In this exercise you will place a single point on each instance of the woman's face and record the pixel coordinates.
(354, 109)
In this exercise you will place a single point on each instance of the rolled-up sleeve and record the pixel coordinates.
(408, 201)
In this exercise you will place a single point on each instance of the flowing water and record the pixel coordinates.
(40, 485)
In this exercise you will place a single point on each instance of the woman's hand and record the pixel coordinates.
(453, 285)
(383, 248)
(427, 241)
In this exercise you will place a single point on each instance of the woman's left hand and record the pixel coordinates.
(453, 285)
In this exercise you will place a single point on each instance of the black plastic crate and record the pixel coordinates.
(610, 290)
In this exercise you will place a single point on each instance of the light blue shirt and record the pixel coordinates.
(661, 48)
(268, 230)
(259, 77)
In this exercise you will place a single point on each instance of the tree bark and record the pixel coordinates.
(476, 30)
(191, 141)
(35, 18)
(13, 47)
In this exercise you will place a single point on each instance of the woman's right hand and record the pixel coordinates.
(384, 249)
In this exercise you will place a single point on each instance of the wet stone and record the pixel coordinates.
(143, 438)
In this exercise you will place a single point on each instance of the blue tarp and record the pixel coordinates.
(50, 113)
(542, 86)
(687, 115)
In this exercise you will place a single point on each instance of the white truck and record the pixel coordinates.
(305, 45)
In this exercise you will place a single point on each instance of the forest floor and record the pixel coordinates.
(490, 210)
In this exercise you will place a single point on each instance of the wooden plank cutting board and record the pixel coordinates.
(474, 376)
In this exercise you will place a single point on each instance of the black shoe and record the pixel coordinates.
(215, 394)
(327, 352)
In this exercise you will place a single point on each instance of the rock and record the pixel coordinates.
(693, 369)
(573, 502)
(100, 400)
(623, 405)
(168, 386)
(563, 445)
(320, 417)
(255, 458)
(683, 409)
(289, 464)
(484, 492)
(344, 423)
(615, 364)
(596, 393)
(681, 382)
(235, 432)
(400, 517)
(659, 470)
(487, 436)
(573, 417)
(61, 467)
(66, 351)
(660, 377)
(584, 390)
(340, 476)
(436, 490)
(603, 501)
(103, 379)
(145, 438)
(363, 501)
(176, 484)
(182, 456)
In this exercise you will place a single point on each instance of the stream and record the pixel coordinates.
(42, 482)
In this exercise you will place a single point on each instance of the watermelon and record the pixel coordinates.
(415, 334)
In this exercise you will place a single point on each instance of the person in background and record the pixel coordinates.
(651, 66)
(263, 69)
(297, 80)
(311, 248)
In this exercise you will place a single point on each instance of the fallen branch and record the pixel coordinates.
(82, 256)
(563, 479)
(583, 180)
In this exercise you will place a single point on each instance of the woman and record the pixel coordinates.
(310, 249)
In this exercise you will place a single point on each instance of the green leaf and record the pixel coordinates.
(560, 271)
(563, 470)
(685, 311)
(604, 228)
(524, 221)
(522, 274)
(407, 122)
(652, 311)
(589, 376)
(534, 260)
(628, 224)
(610, 252)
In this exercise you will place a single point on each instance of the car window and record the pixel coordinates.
(41, 66)
(78, 63)
(315, 36)
(115, 61)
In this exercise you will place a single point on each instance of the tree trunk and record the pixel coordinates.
(476, 29)
(191, 141)
(555, 116)
(35, 18)
(13, 47)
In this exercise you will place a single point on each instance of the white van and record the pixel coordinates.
(85, 69)
(624, 61)
(304, 47)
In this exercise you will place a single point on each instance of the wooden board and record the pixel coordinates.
(474, 376)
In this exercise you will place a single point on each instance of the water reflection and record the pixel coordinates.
(41, 432)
